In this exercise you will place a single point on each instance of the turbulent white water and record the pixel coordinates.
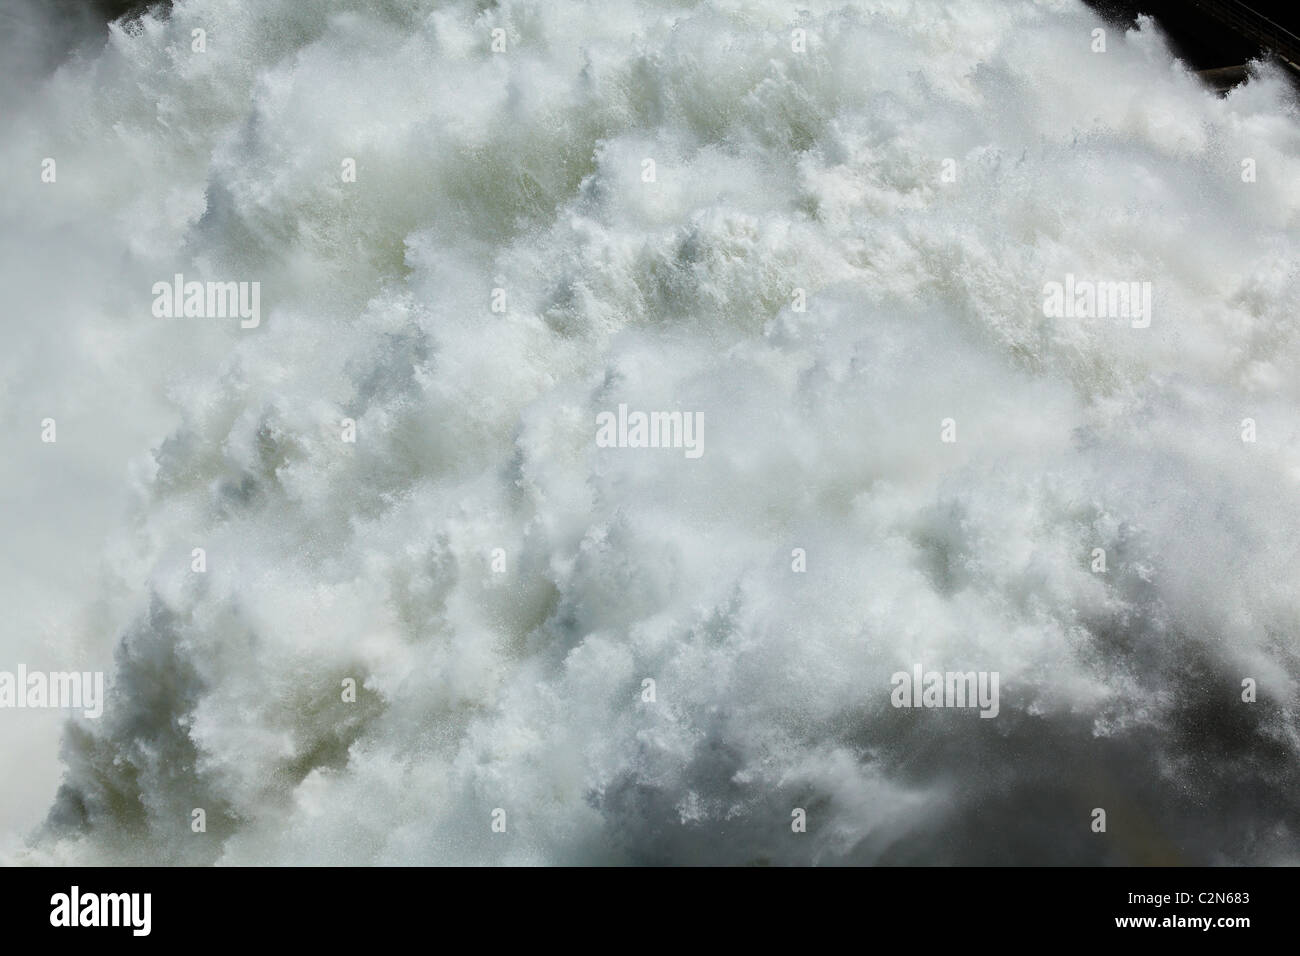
(774, 171)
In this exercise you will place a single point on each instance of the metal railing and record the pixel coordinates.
(1253, 25)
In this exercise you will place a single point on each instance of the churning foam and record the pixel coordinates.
(518, 685)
